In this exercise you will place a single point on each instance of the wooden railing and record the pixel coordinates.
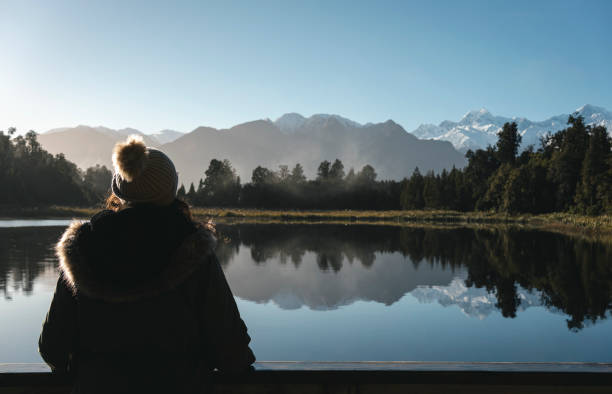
(368, 377)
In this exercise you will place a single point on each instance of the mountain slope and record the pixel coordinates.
(87, 146)
(165, 136)
(392, 151)
(479, 128)
(292, 139)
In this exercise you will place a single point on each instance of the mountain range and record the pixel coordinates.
(479, 128)
(87, 146)
(291, 139)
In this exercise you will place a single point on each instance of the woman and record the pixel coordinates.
(142, 304)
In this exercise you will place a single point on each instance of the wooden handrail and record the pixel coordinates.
(379, 377)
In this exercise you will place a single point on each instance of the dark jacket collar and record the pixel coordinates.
(132, 254)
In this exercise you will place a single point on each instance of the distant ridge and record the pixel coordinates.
(291, 139)
(88, 146)
(479, 128)
(294, 138)
(392, 151)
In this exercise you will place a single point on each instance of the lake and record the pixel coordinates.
(368, 292)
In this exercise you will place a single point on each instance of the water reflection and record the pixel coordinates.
(516, 267)
(25, 253)
(330, 266)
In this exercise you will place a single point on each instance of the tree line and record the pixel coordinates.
(333, 188)
(31, 176)
(572, 274)
(571, 171)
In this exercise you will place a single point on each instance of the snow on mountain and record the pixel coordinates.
(473, 302)
(479, 128)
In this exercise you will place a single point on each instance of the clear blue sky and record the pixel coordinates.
(154, 65)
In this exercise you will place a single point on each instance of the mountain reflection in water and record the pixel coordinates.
(330, 266)
(515, 267)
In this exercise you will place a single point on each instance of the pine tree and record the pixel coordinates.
(594, 184)
(412, 194)
(568, 147)
(431, 190)
(508, 143)
(180, 193)
(191, 194)
(323, 171)
(336, 172)
(297, 174)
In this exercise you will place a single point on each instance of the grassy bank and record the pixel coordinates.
(559, 222)
(52, 212)
(562, 222)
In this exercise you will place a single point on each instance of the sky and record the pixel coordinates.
(179, 65)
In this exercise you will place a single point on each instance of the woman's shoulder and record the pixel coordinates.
(68, 247)
(85, 242)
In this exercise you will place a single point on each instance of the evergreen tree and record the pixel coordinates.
(181, 193)
(323, 171)
(594, 182)
(367, 175)
(493, 198)
(283, 173)
(263, 176)
(336, 173)
(412, 194)
(221, 187)
(297, 174)
(192, 194)
(508, 143)
(482, 164)
(350, 176)
(98, 180)
(568, 148)
(431, 191)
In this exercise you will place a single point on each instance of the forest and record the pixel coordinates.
(31, 176)
(571, 171)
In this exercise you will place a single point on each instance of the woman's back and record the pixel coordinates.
(142, 304)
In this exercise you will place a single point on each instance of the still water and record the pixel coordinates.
(360, 293)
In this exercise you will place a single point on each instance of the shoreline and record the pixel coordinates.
(571, 224)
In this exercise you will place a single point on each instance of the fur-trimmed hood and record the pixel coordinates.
(132, 254)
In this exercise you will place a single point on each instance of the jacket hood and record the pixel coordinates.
(132, 254)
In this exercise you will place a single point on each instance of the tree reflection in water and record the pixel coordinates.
(25, 253)
(572, 275)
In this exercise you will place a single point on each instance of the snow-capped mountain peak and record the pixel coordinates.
(475, 114)
(472, 301)
(479, 128)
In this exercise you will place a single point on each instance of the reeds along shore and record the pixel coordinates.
(571, 224)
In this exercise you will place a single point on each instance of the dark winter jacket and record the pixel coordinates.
(142, 305)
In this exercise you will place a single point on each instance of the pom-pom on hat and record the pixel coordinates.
(142, 174)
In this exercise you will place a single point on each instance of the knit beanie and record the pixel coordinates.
(143, 174)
